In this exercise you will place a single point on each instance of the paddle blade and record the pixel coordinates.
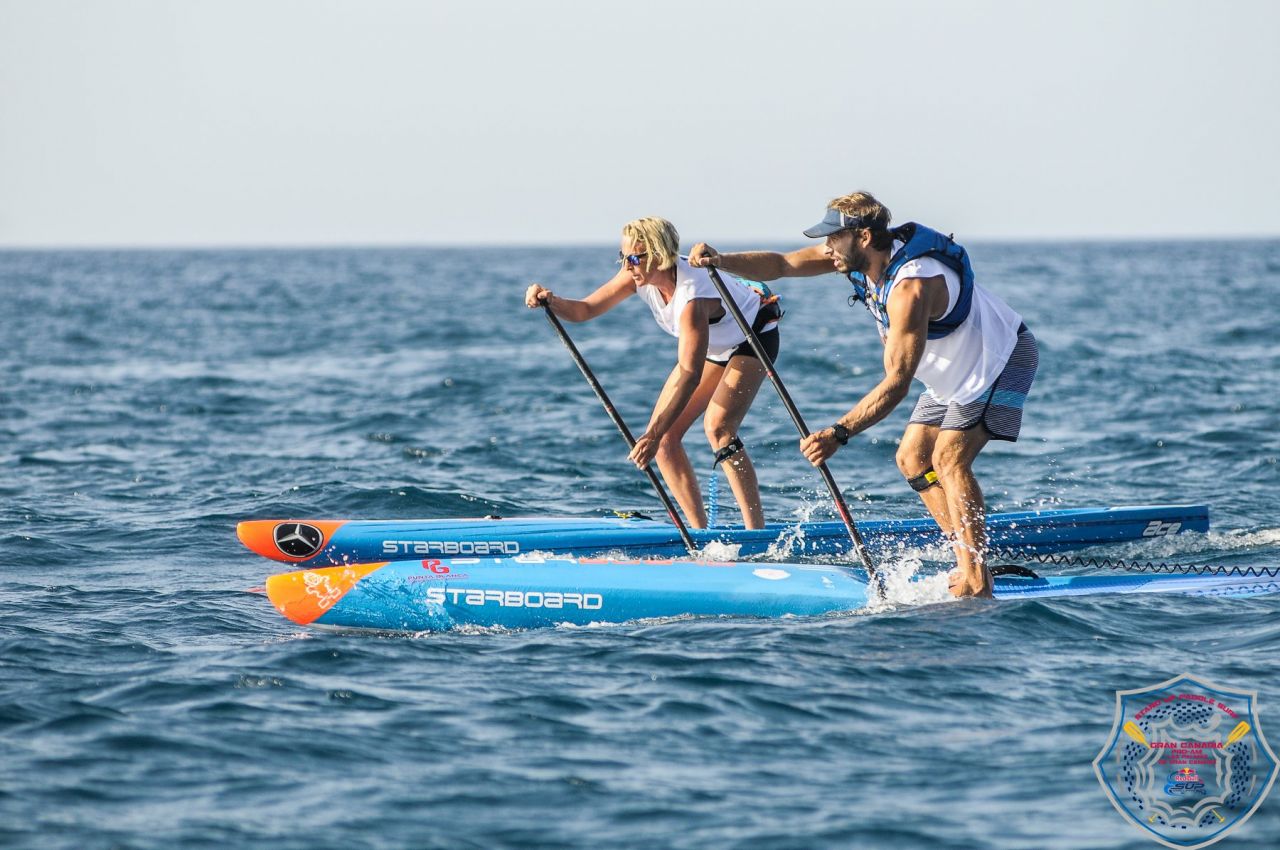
(1131, 729)
(1242, 729)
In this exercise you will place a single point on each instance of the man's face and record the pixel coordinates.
(847, 251)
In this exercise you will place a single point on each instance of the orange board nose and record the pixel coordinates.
(305, 595)
(259, 535)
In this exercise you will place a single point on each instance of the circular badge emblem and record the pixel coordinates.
(298, 540)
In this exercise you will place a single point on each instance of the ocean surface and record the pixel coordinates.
(149, 699)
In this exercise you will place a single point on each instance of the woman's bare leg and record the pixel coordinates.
(729, 405)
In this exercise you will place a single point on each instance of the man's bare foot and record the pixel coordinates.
(963, 584)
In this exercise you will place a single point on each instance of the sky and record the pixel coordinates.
(378, 122)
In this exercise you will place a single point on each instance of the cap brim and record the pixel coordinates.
(822, 229)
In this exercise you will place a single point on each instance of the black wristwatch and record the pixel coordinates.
(842, 434)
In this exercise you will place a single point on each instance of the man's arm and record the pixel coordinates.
(908, 329)
(764, 265)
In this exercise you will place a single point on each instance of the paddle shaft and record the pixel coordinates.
(841, 507)
(622, 427)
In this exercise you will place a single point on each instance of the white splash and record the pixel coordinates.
(905, 587)
(791, 540)
(717, 551)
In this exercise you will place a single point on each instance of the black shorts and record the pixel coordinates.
(768, 314)
(768, 341)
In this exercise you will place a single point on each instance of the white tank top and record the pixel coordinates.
(691, 283)
(959, 367)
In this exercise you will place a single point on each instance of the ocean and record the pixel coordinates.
(148, 699)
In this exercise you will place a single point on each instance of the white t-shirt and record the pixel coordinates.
(959, 367)
(691, 283)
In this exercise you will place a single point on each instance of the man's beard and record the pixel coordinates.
(856, 260)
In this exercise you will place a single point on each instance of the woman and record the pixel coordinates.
(716, 371)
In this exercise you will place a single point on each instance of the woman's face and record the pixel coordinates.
(632, 250)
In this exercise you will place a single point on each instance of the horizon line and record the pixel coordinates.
(485, 244)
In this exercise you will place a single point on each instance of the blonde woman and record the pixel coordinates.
(716, 375)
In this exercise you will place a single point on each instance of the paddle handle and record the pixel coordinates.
(622, 428)
(841, 507)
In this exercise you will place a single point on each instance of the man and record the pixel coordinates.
(973, 353)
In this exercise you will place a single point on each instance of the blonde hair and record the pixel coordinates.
(659, 239)
(866, 207)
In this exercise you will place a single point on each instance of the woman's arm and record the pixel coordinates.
(605, 298)
(695, 333)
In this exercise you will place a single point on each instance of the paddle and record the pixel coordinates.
(841, 507)
(622, 427)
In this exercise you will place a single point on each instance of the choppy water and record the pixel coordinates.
(152, 399)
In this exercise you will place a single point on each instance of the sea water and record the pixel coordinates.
(148, 699)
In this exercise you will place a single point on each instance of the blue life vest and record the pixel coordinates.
(918, 241)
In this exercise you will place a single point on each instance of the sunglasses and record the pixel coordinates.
(631, 259)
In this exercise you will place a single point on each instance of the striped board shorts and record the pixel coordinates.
(999, 409)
